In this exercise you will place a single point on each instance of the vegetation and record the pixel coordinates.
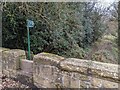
(67, 29)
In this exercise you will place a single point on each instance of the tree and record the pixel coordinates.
(61, 28)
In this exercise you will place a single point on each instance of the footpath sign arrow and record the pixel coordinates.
(30, 23)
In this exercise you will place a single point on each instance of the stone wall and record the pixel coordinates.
(11, 61)
(15, 65)
(53, 71)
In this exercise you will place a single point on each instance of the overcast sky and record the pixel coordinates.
(106, 3)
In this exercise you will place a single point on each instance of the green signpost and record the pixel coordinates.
(30, 24)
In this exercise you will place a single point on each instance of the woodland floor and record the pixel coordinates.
(9, 83)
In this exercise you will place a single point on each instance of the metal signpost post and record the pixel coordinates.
(30, 24)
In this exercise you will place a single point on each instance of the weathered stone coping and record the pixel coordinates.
(87, 67)
(48, 59)
(15, 52)
(98, 69)
(13, 55)
(3, 49)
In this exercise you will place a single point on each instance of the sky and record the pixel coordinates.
(106, 3)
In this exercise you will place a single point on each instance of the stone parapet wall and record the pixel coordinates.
(52, 71)
(11, 61)
(88, 67)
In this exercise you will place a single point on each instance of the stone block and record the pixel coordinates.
(48, 59)
(38, 80)
(47, 83)
(47, 70)
(66, 79)
(26, 67)
(101, 83)
(12, 58)
(103, 70)
(74, 81)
